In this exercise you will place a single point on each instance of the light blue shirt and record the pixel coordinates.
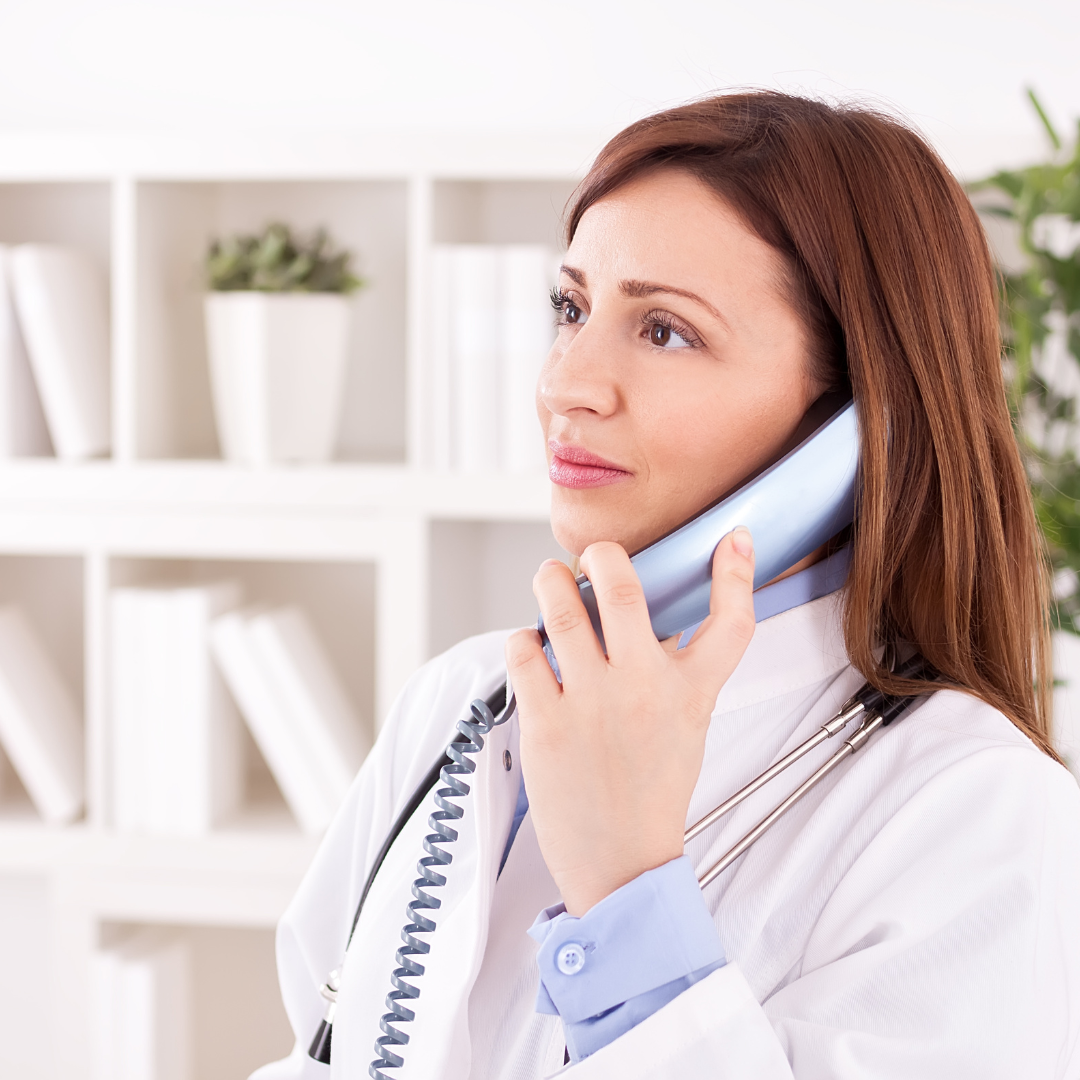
(627, 956)
(644, 944)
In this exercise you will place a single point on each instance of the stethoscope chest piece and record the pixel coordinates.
(320, 1045)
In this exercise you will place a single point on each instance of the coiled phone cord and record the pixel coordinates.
(470, 741)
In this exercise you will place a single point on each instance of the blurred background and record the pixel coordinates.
(248, 479)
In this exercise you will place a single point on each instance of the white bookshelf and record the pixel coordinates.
(392, 562)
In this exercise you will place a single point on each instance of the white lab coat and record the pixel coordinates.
(917, 915)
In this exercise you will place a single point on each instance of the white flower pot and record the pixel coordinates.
(277, 370)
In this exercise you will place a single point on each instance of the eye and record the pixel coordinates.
(569, 312)
(665, 336)
(573, 314)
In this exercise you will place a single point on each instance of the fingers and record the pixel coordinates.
(718, 646)
(530, 674)
(566, 621)
(624, 614)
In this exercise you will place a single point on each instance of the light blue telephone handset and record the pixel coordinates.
(792, 508)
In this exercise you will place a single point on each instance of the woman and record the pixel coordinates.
(918, 913)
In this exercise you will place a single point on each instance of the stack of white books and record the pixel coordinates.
(295, 706)
(493, 327)
(142, 999)
(176, 761)
(182, 660)
(40, 728)
(54, 323)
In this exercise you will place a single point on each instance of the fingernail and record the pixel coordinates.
(551, 562)
(742, 541)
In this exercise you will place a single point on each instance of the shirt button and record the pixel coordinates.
(570, 959)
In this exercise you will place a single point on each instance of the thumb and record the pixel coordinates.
(719, 644)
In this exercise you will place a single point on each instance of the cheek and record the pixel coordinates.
(684, 433)
(700, 444)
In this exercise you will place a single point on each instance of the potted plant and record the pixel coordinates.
(277, 324)
(1041, 319)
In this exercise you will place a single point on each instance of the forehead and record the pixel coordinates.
(669, 225)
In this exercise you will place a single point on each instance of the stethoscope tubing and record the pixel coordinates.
(877, 710)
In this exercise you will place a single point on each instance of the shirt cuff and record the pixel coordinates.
(654, 931)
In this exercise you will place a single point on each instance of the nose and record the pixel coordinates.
(581, 375)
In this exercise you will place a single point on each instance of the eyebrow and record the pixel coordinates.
(576, 276)
(640, 289)
(650, 288)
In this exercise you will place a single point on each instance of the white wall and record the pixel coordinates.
(955, 67)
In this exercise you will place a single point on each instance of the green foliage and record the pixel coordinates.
(1041, 321)
(277, 261)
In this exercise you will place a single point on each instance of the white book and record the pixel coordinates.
(40, 728)
(439, 390)
(475, 299)
(62, 304)
(22, 423)
(528, 332)
(128, 690)
(284, 745)
(200, 733)
(142, 1008)
(301, 677)
(177, 765)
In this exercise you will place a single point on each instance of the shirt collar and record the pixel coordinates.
(815, 581)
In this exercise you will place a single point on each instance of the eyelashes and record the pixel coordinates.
(563, 303)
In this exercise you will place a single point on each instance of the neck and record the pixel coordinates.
(815, 556)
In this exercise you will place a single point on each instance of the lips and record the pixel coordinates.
(574, 467)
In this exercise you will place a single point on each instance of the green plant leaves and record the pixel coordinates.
(278, 261)
(1041, 328)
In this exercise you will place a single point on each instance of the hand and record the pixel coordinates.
(611, 757)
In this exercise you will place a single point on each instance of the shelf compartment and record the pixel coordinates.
(339, 601)
(27, 1035)
(235, 1020)
(174, 225)
(49, 591)
(74, 214)
(500, 211)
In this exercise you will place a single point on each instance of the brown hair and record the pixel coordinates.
(889, 266)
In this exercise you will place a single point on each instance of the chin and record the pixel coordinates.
(572, 533)
(569, 540)
(616, 512)
(576, 530)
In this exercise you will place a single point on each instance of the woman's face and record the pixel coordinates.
(680, 366)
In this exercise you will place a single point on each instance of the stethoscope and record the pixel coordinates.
(873, 709)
